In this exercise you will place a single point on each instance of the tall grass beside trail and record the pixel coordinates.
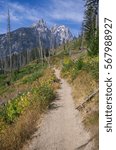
(28, 70)
(44, 94)
(26, 74)
(71, 69)
(19, 115)
(83, 74)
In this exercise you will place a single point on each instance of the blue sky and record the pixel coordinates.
(26, 12)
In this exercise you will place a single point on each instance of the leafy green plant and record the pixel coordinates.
(79, 64)
(92, 66)
(33, 76)
(27, 70)
(71, 69)
(67, 65)
(14, 108)
(45, 94)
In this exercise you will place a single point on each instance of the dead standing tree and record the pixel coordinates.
(9, 44)
(50, 49)
(41, 50)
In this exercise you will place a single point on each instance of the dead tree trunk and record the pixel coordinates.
(41, 50)
(9, 44)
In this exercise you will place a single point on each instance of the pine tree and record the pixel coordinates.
(91, 26)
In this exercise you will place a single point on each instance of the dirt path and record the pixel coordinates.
(61, 128)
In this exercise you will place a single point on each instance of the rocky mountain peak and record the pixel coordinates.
(62, 32)
(27, 37)
(40, 25)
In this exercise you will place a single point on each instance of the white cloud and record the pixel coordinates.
(19, 12)
(16, 7)
(58, 10)
(69, 10)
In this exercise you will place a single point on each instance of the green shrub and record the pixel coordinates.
(94, 69)
(67, 65)
(71, 69)
(45, 95)
(79, 64)
(33, 76)
(27, 70)
(14, 108)
(92, 66)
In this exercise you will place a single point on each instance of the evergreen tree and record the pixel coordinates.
(91, 26)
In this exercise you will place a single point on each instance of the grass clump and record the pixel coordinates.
(92, 119)
(71, 69)
(33, 76)
(67, 64)
(27, 70)
(92, 66)
(67, 67)
(45, 95)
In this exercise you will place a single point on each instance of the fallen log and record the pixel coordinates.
(88, 98)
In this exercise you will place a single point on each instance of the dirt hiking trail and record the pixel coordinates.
(61, 127)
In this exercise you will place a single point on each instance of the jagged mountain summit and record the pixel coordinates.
(40, 26)
(62, 32)
(28, 38)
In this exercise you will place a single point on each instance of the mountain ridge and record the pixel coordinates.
(27, 38)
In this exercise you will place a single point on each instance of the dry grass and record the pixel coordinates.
(83, 86)
(13, 136)
(16, 134)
